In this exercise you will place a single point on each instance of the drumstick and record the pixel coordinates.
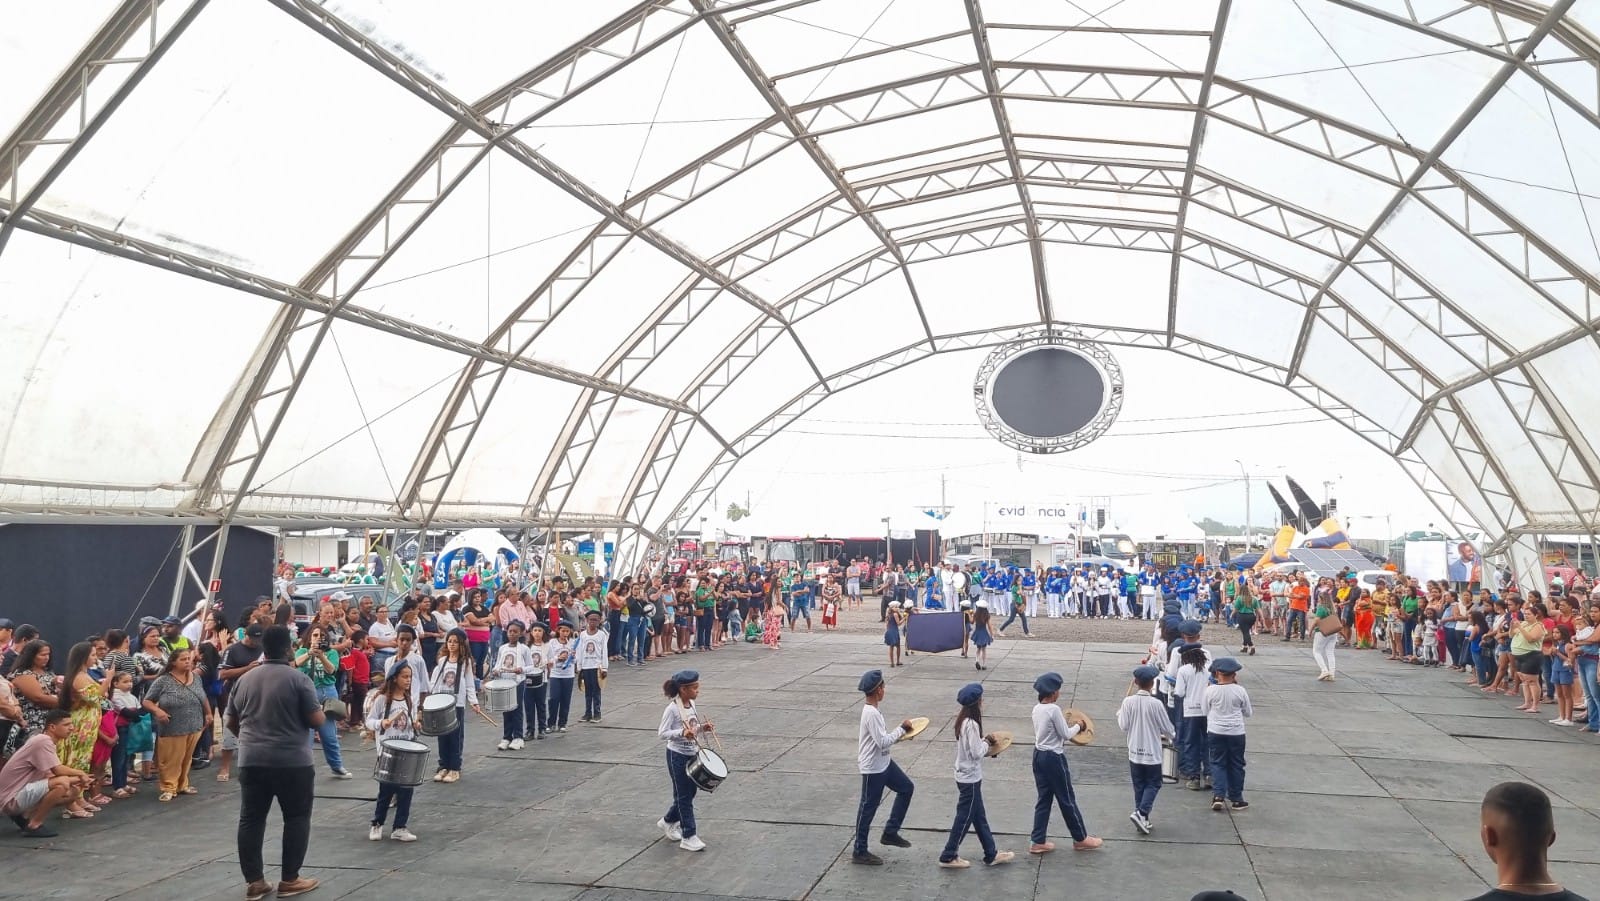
(485, 716)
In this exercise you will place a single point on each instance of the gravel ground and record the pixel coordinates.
(864, 620)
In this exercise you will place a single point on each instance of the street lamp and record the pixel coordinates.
(1246, 474)
(888, 545)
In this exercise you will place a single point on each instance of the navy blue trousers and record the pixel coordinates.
(872, 786)
(1227, 765)
(560, 702)
(1054, 783)
(970, 817)
(1192, 747)
(591, 692)
(451, 742)
(1146, 785)
(683, 791)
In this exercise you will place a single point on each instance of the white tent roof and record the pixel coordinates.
(477, 264)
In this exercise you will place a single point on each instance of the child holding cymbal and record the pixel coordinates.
(1051, 779)
(971, 746)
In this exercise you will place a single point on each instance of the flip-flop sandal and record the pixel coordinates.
(222, 777)
(191, 790)
(165, 797)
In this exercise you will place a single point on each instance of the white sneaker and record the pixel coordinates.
(403, 835)
(672, 830)
(692, 843)
(375, 834)
(503, 745)
(516, 744)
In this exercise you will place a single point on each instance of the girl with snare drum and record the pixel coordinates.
(680, 722)
(393, 717)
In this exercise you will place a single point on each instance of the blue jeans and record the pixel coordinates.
(702, 629)
(1053, 783)
(1146, 785)
(1016, 611)
(1227, 766)
(560, 702)
(534, 699)
(1296, 624)
(683, 791)
(1587, 668)
(591, 693)
(970, 817)
(329, 731)
(450, 743)
(511, 720)
(1544, 670)
(872, 786)
(1483, 664)
(638, 639)
(119, 758)
(400, 797)
(1192, 747)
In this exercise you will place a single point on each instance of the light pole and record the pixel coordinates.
(888, 545)
(1246, 474)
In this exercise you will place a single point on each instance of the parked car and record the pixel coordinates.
(306, 598)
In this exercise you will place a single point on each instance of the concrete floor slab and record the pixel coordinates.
(1367, 788)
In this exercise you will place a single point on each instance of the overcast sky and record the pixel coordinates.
(879, 449)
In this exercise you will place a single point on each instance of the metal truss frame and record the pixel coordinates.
(224, 465)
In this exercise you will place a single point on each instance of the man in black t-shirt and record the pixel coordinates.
(1518, 830)
(241, 657)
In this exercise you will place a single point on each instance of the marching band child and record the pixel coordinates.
(562, 652)
(512, 660)
(679, 724)
(392, 716)
(536, 692)
(455, 676)
(1051, 778)
(1148, 729)
(1193, 677)
(592, 664)
(878, 772)
(1225, 706)
(971, 746)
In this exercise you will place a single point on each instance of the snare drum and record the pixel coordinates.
(500, 695)
(401, 762)
(438, 715)
(536, 680)
(707, 769)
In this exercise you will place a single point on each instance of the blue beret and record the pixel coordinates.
(685, 677)
(1171, 607)
(1146, 673)
(1189, 627)
(870, 680)
(1049, 683)
(969, 693)
(1226, 665)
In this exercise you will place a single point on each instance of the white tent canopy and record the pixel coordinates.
(389, 263)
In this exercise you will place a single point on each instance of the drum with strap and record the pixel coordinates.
(707, 769)
(401, 762)
(438, 715)
(500, 695)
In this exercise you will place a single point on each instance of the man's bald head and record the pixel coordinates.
(1517, 820)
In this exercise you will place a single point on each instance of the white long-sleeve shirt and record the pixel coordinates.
(672, 722)
(592, 650)
(873, 755)
(402, 716)
(459, 681)
(1226, 707)
(562, 669)
(1051, 731)
(970, 748)
(419, 673)
(1144, 720)
(512, 661)
(1191, 686)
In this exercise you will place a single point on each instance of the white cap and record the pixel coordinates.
(965, 604)
(340, 596)
(983, 605)
(894, 603)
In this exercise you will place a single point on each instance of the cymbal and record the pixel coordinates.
(918, 723)
(1086, 734)
(1002, 740)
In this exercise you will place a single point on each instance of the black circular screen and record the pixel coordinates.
(1047, 392)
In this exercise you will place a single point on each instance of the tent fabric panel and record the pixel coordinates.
(218, 153)
(1227, 312)
(482, 251)
(1108, 286)
(517, 434)
(113, 370)
(983, 289)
